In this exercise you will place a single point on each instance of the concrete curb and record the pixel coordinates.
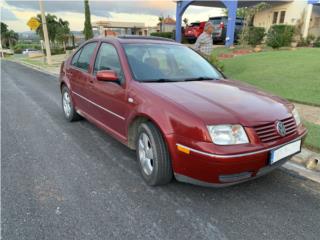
(305, 164)
(308, 159)
(302, 171)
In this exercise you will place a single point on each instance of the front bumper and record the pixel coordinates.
(209, 169)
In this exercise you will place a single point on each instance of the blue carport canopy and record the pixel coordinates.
(314, 2)
(231, 5)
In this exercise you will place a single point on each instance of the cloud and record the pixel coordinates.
(7, 15)
(101, 8)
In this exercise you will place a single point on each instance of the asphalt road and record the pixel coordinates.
(65, 180)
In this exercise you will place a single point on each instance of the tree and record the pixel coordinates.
(248, 12)
(9, 38)
(52, 25)
(63, 32)
(58, 29)
(248, 15)
(161, 18)
(87, 31)
(4, 28)
(241, 12)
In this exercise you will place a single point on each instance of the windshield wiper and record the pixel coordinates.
(200, 79)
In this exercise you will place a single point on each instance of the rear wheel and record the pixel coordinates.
(67, 106)
(153, 156)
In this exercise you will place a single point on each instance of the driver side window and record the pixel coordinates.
(108, 59)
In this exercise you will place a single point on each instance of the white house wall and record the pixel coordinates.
(314, 27)
(295, 10)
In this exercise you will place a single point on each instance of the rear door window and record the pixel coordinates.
(85, 56)
(75, 58)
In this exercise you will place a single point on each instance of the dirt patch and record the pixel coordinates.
(309, 113)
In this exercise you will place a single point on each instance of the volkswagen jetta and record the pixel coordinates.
(183, 117)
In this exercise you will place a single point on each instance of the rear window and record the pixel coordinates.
(216, 21)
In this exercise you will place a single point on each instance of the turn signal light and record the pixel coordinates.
(183, 149)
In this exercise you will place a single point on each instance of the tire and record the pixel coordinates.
(157, 170)
(67, 105)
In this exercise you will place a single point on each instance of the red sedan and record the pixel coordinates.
(182, 116)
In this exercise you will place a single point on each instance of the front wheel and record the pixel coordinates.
(67, 105)
(153, 156)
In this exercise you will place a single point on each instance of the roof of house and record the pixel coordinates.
(168, 21)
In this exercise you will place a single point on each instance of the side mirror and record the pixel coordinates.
(107, 75)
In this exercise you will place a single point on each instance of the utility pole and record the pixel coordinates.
(45, 33)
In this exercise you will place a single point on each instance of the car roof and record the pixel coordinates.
(139, 39)
(219, 17)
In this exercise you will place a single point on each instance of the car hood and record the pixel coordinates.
(224, 101)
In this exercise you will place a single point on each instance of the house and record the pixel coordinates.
(167, 25)
(291, 13)
(111, 28)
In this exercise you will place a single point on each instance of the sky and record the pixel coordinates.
(16, 13)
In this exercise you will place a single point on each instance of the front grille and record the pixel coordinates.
(268, 132)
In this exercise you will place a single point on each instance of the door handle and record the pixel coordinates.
(91, 84)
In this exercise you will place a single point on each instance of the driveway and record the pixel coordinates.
(65, 180)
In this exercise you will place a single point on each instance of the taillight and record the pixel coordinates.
(222, 25)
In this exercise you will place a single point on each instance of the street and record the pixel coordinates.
(64, 180)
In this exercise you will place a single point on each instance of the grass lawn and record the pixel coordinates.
(313, 138)
(292, 74)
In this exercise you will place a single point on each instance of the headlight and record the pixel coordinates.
(228, 134)
(296, 116)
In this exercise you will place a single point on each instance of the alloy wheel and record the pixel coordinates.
(146, 154)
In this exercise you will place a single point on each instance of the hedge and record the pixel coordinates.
(255, 35)
(317, 43)
(18, 48)
(280, 36)
(163, 34)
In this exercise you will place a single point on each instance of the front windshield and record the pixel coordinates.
(168, 62)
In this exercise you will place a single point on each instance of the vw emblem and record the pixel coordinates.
(281, 128)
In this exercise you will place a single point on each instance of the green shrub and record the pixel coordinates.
(163, 34)
(22, 46)
(70, 48)
(255, 35)
(317, 43)
(56, 51)
(280, 35)
(305, 42)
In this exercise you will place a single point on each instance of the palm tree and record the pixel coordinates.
(161, 18)
(63, 32)
(10, 39)
(52, 25)
(185, 20)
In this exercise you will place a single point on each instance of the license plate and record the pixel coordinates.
(285, 151)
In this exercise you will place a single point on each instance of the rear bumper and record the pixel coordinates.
(208, 169)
